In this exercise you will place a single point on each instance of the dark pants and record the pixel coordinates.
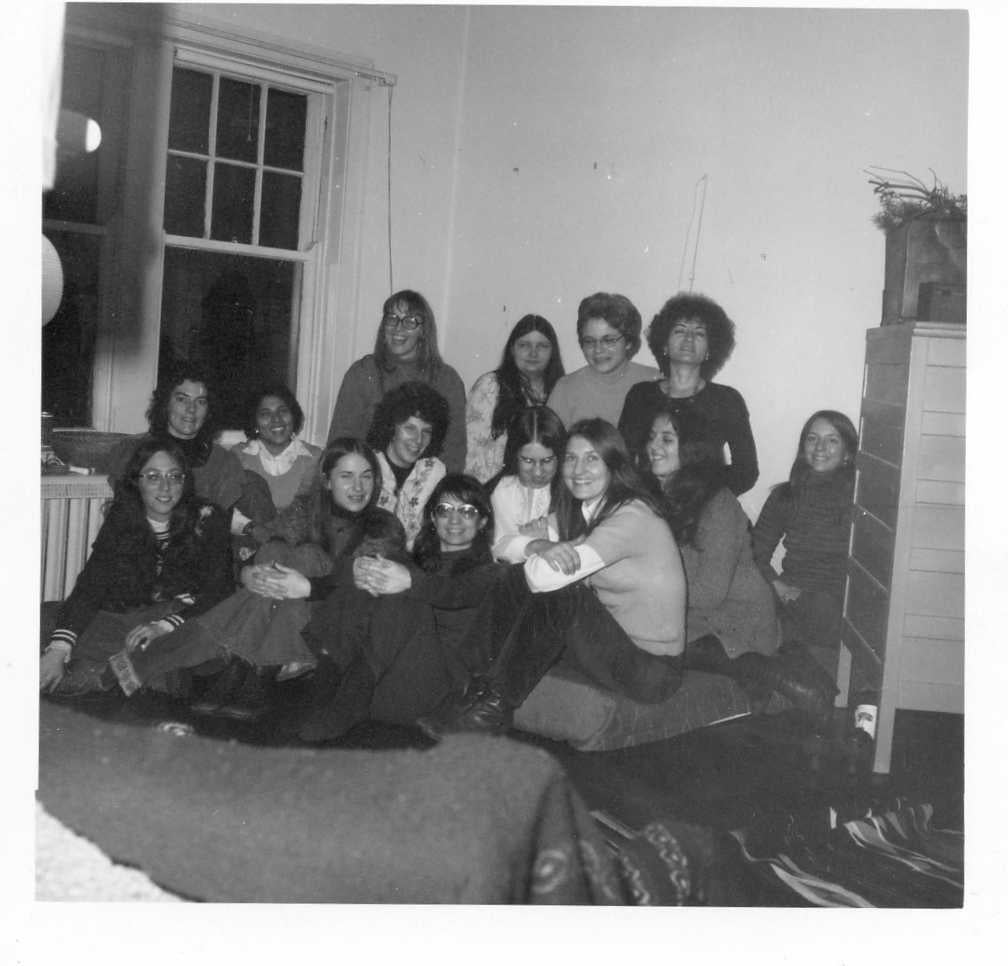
(517, 636)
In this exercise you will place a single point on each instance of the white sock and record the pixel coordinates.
(864, 718)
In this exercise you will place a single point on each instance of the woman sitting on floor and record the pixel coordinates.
(393, 658)
(608, 598)
(525, 495)
(258, 625)
(731, 621)
(162, 556)
(407, 433)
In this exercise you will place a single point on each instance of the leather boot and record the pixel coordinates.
(778, 674)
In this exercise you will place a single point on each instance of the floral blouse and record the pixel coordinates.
(408, 503)
(484, 454)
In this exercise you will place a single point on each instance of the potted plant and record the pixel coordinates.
(925, 255)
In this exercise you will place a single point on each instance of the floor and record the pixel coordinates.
(722, 777)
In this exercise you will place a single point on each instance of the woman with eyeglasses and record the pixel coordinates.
(162, 556)
(526, 493)
(388, 641)
(182, 411)
(608, 597)
(259, 626)
(691, 338)
(407, 433)
(529, 369)
(405, 350)
(609, 332)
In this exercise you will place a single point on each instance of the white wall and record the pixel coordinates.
(540, 154)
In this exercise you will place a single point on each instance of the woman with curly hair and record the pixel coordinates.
(182, 411)
(691, 338)
(407, 433)
(405, 350)
(161, 557)
(529, 369)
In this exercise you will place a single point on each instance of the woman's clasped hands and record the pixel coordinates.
(378, 576)
(560, 555)
(276, 581)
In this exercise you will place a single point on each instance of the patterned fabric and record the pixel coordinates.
(408, 503)
(484, 454)
(890, 858)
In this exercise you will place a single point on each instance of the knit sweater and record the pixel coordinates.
(364, 385)
(303, 459)
(587, 393)
(126, 570)
(725, 410)
(815, 527)
(728, 596)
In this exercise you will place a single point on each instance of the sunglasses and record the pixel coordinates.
(154, 477)
(467, 511)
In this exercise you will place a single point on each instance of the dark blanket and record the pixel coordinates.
(473, 820)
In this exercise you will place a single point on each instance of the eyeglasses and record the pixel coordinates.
(154, 477)
(407, 322)
(606, 342)
(467, 511)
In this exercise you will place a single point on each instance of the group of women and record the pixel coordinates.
(440, 555)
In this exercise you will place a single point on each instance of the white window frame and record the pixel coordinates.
(332, 214)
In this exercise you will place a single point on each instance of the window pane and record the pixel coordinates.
(189, 123)
(74, 194)
(279, 210)
(285, 129)
(238, 120)
(68, 341)
(236, 315)
(185, 193)
(233, 197)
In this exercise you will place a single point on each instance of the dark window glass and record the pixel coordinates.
(279, 210)
(68, 341)
(185, 192)
(285, 129)
(189, 121)
(74, 194)
(233, 197)
(235, 314)
(237, 120)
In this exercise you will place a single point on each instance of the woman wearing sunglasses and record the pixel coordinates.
(405, 350)
(161, 556)
(389, 635)
(609, 332)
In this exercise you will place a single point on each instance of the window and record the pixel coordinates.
(210, 223)
(241, 187)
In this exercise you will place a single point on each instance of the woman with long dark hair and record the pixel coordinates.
(731, 622)
(182, 411)
(389, 641)
(529, 369)
(260, 624)
(811, 514)
(405, 350)
(525, 493)
(161, 557)
(609, 597)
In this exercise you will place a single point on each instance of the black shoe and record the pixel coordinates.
(489, 713)
(435, 723)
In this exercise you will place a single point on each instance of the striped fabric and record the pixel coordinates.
(892, 858)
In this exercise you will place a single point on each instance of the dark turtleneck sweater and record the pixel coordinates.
(814, 523)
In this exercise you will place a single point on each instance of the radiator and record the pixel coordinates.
(71, 517)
